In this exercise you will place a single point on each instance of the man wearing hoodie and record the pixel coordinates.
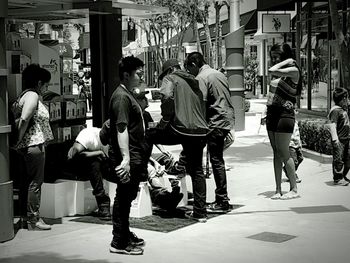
(183, 122)
(220, 115)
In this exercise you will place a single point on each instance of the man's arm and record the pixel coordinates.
(167, 103)
(88, 154)
(332, 125)
(123, 169)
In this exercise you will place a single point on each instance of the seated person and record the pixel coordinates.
(89, 154)
(160, 195)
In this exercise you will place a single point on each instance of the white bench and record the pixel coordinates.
(67, 198)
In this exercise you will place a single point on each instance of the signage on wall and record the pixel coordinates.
(276, 23)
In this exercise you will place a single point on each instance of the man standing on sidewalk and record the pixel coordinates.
(129, 153)
(220, 117)
(183, 122)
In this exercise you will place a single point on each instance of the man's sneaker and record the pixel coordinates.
(346, 179)
(175, 199)
(341, 182)
(190, 215)
(135, 240)
(39, 225)
(216, 207)
(128, 250)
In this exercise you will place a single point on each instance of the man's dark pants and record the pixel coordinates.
(341, 159)
(95, 169)
(193, 150)
(215, 142)
(125, 194)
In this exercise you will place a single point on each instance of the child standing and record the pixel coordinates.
(295, 150)
(340, 128)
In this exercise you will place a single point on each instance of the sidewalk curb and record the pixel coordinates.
(319, 157)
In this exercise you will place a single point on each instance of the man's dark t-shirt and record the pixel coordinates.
(147, 117)
(124, 109)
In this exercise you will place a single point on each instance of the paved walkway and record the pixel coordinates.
(318, 223)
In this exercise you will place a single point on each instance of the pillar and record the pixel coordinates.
(106, 51)
(6, 188)
(234, 43)
(234, 15)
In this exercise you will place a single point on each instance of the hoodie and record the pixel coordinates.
(182, 104)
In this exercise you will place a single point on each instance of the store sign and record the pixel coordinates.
(276, 23)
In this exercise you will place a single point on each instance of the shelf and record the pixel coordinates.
(5, 129)
(4, 72)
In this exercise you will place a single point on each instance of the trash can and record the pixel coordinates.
(6, 208)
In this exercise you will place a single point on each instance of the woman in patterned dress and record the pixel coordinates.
(33, 132)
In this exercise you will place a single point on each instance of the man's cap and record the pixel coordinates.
(140, 92)
(167, 65)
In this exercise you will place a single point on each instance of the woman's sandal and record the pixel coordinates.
(290, 195)
(276, 196)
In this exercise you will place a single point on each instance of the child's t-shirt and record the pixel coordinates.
(340, 117)
(295, 140)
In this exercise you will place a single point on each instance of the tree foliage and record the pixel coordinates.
(161, 29)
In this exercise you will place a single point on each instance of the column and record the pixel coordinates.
(234, 43)
(6, 188)
(106, 51)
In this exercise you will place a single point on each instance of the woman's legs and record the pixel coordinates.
(277, 162)
(282, 141)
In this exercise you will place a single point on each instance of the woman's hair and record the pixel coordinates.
(128, 65)
(32, 74)
(195, 58)
(283, 49)
(286, 52)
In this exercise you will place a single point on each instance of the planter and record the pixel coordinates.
(315, 136)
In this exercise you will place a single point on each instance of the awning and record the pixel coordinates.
(249, 20)
(273, 5)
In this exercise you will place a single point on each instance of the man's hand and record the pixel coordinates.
(70, 154)
(123, 171)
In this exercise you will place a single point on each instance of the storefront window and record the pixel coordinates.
(303, 66)
(319, 61)
(314, 59)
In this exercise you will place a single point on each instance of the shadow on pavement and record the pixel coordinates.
(247, 154)
(49, 257)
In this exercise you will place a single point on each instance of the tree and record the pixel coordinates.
(205, 17)
(159, 28)
(343, 41)
(218, 4)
